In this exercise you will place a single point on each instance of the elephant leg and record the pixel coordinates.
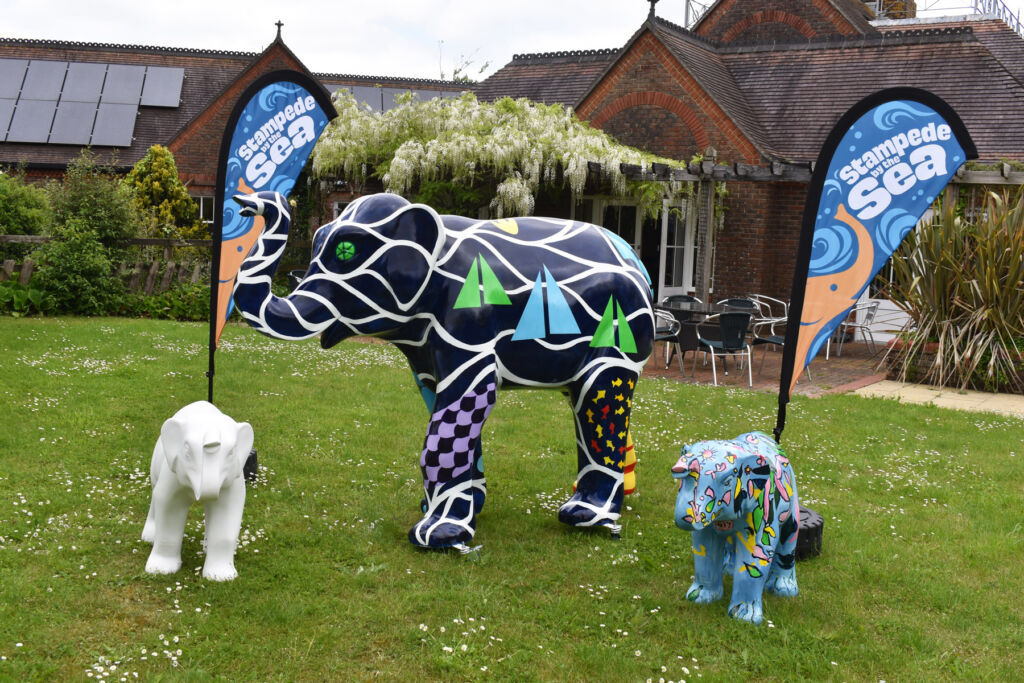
(709, 548)
(451, 482)
(149, 529)
(479, 487)
(753, 563)
(601, 404)
(782, 579)
(223, 523)
(170, 510)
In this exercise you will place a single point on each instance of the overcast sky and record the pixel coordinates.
(414, 38)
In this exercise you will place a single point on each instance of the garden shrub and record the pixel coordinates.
(183, 302)
(76, 271)
(160, 196)
(24, 210)
(95, 197)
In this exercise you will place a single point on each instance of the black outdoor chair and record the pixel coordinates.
(740, 304)
(686, 340)
(686, 336)
(732, 326)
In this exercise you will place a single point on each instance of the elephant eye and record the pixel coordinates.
(345, 250)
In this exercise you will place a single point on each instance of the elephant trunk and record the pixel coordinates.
(300, 315)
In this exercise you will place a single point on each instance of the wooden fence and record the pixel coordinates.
(140, 277)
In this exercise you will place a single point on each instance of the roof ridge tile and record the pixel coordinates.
(43, 42)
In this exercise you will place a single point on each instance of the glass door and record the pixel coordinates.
(678, 248)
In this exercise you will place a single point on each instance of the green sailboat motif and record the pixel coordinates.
(481, 280)
(614, 320)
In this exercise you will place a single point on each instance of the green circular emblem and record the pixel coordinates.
(345, 250)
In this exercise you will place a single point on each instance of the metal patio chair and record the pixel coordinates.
(732, 326)
(666, 329)
(860, 318)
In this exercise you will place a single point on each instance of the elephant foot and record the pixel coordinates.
(782, 582)
(149, 531)
(579, 512)
(438, 533)
(450, 518)
(596, 502)
(702, 594)
(747, 611)
(162, 564)
(219, 571)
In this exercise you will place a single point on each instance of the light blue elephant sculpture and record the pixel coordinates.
(739, 500)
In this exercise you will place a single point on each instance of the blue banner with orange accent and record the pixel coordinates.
(882, 166)
(268, 139)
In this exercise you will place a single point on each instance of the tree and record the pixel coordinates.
(93, 219)
(94, 196)
(508, 150)
(159, 194)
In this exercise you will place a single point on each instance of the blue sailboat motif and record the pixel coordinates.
(559, 317)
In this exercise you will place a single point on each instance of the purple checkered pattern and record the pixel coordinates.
(452, 435)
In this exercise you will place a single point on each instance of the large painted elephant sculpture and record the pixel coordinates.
(474, 305)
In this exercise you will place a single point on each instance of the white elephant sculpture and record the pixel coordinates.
(198, 457)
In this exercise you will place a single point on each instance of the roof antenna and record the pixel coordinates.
(279, 25)
(650, 15)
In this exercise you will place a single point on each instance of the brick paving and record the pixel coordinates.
(856, 368)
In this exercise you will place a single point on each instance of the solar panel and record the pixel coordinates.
(123, 84)
(162, 87)
(31, 122)
(366, 94)
(12, 74)
(115, 124)
(72, 124)
(388, 96)
(6, 109)
(83, 82)
(43, 80)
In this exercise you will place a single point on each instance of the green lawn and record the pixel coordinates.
(920, 577)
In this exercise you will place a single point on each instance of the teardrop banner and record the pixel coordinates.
(884, 163)
(271, 132)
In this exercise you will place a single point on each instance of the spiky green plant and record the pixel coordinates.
(960, 281)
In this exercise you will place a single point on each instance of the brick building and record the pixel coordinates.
(761, 82)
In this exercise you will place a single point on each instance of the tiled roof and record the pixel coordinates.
(393, 82)
(552, 77)
(799, 92)
(1002, 41)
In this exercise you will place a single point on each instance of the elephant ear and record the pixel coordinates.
(243, 445)
(407, 267)
(172, 437)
